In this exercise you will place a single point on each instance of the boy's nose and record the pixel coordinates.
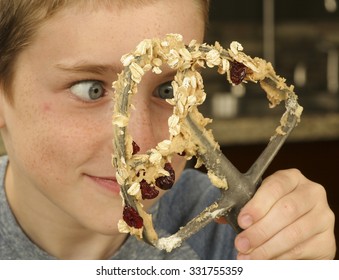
(141, 124)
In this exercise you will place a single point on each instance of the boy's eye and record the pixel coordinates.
(164, 91)
(88, 90)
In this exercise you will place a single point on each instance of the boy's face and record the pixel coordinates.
(58, 132)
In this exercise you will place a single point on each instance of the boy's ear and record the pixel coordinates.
(2, 107)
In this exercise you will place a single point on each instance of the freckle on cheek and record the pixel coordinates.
(46, 107)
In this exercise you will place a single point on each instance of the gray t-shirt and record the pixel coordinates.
(190, 195)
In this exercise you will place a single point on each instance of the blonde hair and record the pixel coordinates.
(20, 19)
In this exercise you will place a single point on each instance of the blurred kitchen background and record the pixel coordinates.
(301, 39)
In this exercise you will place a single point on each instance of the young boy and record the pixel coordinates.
(59, 195)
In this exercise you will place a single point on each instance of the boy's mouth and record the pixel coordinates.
(109, 183)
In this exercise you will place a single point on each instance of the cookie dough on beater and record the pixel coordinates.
(137, 173)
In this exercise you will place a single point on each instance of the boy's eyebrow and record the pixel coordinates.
(88, 67)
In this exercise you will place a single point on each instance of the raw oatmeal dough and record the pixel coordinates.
(137, 173)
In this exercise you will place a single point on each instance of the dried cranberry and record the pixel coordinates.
(238, 72)
(131, 217)
(136, 148)
(166, 182)
(148, 191)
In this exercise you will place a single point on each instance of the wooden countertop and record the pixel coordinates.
(259, 129)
